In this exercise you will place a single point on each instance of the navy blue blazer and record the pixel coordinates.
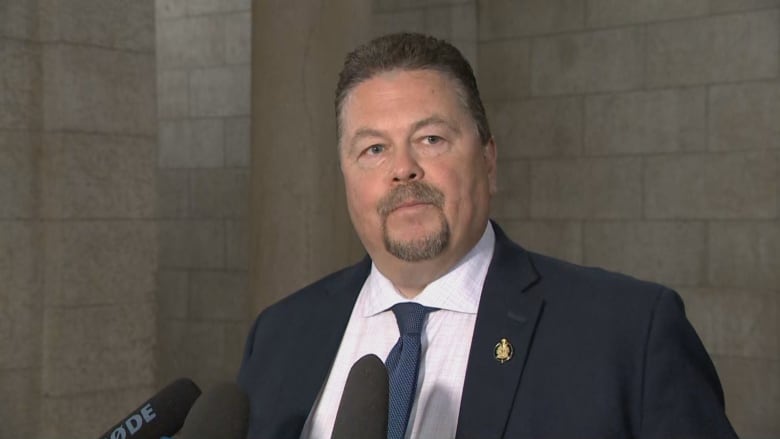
(596, 355)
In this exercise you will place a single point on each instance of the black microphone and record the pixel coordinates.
(363, 408)
(162, 415)
(221, 413)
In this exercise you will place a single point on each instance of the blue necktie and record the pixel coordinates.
(403, 363)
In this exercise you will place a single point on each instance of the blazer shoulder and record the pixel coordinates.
(338, 283)
(592, 279)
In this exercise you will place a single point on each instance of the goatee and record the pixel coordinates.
(423, 248)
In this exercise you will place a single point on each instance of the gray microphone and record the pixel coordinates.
(222, 412)
(364, 403)
(161, 415)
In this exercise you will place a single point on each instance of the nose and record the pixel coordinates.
(406, 167)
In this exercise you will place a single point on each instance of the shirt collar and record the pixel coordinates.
(458, 290)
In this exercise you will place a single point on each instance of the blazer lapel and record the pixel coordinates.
(323, 333)
(507, 310)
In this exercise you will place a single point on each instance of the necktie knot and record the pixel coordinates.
(410, 317)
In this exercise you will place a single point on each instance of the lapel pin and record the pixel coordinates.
(503, 351)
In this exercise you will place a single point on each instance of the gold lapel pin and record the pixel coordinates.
(503, 351)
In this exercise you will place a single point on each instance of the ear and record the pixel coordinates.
(491, 157)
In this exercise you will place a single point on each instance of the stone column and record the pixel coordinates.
(96, 204)
(300, 229)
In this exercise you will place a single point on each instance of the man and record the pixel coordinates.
(511, 344)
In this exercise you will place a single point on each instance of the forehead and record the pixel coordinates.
(402, 86)
(413, 91)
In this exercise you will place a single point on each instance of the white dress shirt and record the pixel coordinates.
(446, 343)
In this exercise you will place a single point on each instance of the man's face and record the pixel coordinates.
(418, 179)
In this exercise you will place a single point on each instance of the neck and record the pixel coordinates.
(410, 278)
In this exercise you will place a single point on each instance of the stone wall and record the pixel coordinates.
(640, 136)
(203, 55)
(643, 136)
(78, 242)
(21, 246)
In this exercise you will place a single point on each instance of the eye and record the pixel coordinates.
(432, 140)
(375, 149)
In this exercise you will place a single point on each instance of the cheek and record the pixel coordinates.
(361, 202)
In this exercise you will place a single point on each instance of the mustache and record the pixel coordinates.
(415, 191)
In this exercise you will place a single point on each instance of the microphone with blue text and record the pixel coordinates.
(162, 415)
(364, 403)
(221, 413)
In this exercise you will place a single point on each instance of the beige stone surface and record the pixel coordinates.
(559, 239)
(511, 18)
(197, 244)
(20, 242)
(514, 190)
(668, 252)
(219, 193)
(195, 7)
(191, 143)
(18, 163)
(173, 295)
(99, 90)
(98, 176)
(456, 22)
(20, 331)
(513, 79)
(21, 296)
(170, 9)
(603, 188)
(238, 29)
(173, 193)
(74, 416)
(219, 296)
(219, 91)
(410, 20)
(752, 389)
(173, 92)
(115, 24)
(384, 5)
(237, 244)
(646, 122)
(617, 12)
(208, 352)
(738, 323)
(715, 186)
(204, 155)
(464, 21)
(606, 60)
(20, 84)
(21, 402)
(717, 6)
(542, 127)
(191, 42)
(18, 19)
(300, 228)
(744, 116)
(720, 48)
(237, 142)
(105, 263)
(98, 349)
(745, 254)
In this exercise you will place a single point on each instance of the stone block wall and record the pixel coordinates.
(203, 54)
(642, 137)
(78, 242)
(21, 246)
